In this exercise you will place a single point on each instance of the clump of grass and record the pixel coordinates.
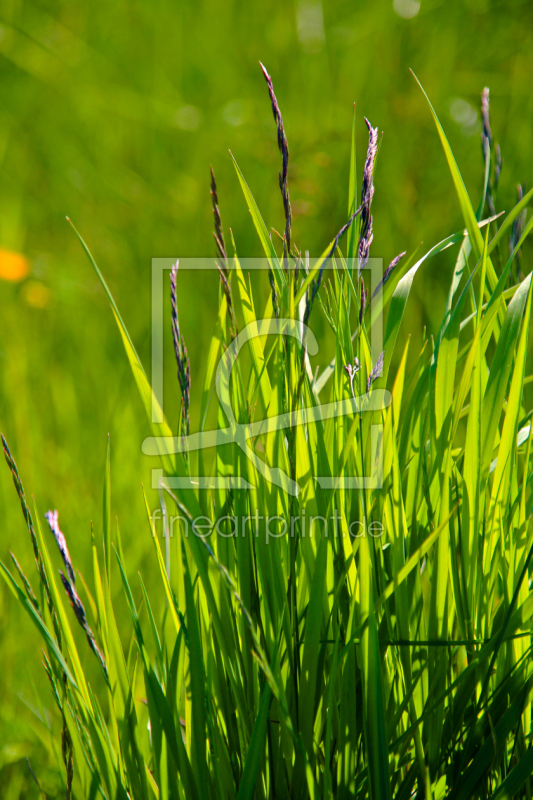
(380, 645)
(55, 640)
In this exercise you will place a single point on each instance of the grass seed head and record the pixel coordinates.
(222, 258)
(367, 193)
(283, 175)
(386, 275)
(376, 372)
(486, 135)
(52, 517)
(180, 351)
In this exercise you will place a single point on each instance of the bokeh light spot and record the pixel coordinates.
(36, 294)
(407, 9)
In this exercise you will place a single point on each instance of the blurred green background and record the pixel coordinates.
(112, 112)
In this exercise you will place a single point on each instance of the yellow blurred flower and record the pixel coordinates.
(13, 266)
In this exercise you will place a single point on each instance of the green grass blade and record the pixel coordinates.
(37, 621)
(500, 371)
(107, 513)
(255, 750)
(262, 230)
(197, 672)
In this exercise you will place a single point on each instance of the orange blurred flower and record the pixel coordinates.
(13, 266)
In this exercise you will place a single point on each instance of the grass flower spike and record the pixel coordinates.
(386, 275)
(52, 517)
(180, 351)
(376, 371)
(222, 258)
(283, 175)
(69, 583)
(366, 234)
(352, 371)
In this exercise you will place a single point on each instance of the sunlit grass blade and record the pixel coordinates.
(264, 236)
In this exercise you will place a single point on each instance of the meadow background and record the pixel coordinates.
(112, 113)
